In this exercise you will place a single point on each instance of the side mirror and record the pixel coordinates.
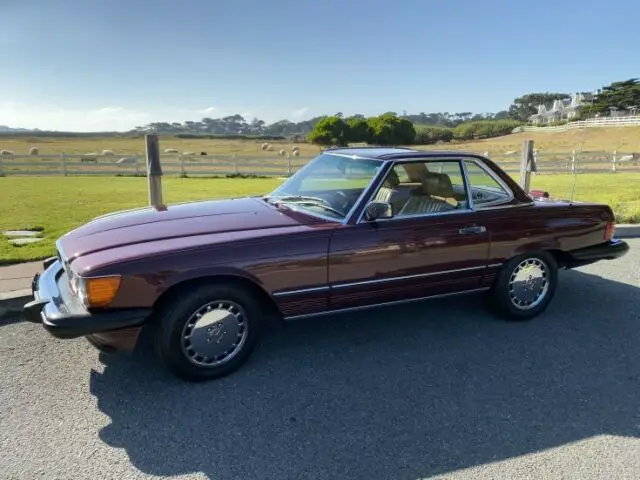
(377, 209)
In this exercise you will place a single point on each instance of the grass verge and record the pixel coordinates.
(59, 204)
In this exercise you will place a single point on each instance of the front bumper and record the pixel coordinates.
(610, 250)
(64, 315)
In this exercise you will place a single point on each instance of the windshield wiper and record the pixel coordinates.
(306, 200)
(293, 198)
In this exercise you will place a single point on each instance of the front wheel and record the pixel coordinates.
(207, 332)
(525, 286)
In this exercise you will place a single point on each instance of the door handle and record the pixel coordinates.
(472, 230)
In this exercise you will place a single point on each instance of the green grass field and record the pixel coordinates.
(59, 204)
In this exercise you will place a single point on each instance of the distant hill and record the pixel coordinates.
(4, 128)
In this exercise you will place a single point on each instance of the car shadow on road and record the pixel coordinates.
(9, 318)
(400, 393)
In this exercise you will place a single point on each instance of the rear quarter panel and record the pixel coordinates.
(543, 226)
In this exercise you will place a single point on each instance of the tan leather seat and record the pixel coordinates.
(436, 188)
(388, 187)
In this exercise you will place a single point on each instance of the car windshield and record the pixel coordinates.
(328, 186)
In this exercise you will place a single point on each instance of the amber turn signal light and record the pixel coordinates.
(101, 291)
(611, 228)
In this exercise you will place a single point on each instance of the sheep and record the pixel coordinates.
(89, 157)
(510, 152)
(126, 161)
(107, 152)
(34, 151)
(296, 153)
(282, 153)
(203, 153)
(170, 150)
(7, 152)
(295, 148)
(188, 154)
(265, 146)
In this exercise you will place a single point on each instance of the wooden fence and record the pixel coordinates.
(230, 165)
(626, 121)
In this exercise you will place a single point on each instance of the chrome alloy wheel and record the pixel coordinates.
(529, 283)
(214, 333)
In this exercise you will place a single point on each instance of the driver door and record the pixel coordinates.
(433, 245)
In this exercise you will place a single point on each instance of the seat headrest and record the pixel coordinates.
(392, 180)
(437, 184)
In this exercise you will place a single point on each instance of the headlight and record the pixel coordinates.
(74, 282)
(92, 291)
(98, 291)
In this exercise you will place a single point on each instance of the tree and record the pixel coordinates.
(330, 131)
(525, 106)
(359, 129)
(388, 129)
(618, 95)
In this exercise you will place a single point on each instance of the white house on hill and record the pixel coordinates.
(564, 109)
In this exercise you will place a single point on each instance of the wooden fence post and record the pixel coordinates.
(613, 162)
(288, 165)
(527, 163)
(573, 161)
(235, 163)
(63, 164)
(182, 171)
(154, 171)
(1, 170)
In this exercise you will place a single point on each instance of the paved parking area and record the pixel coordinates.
(436, 389)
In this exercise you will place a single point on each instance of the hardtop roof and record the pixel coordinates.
(396, 153)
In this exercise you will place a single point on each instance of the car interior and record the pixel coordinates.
(422, 191)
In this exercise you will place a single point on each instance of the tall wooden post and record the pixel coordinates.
(154, 171)
(527, 165)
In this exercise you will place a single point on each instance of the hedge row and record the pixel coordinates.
(484, 129)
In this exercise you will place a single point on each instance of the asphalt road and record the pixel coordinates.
(436, 389)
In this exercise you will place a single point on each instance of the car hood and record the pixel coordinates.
(138, 226)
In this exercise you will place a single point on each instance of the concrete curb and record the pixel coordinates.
(628, 230)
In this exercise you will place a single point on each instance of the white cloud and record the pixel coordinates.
(120, 118)
(299, 112)
(50, 117)
(209, 111)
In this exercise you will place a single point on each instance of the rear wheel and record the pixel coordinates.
(207, 332)
(525, 286)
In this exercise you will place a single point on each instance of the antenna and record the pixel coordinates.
(584, 134)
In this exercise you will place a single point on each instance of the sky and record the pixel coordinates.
(91, 65)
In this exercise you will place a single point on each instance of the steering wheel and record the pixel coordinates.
(342, 199)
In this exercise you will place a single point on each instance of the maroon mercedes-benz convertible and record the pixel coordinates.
(353, 229)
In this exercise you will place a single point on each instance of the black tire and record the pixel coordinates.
(170, 329)
(501, 298)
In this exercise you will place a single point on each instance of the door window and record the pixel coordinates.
(424, 188)
(485, 189)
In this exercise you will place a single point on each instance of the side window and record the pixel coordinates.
(485, 190)
(427, 187)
